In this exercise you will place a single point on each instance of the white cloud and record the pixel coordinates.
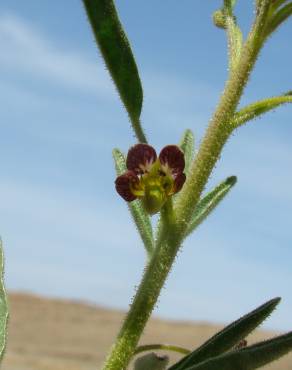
(25, 48)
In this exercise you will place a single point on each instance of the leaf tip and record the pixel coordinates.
(232, 180)
(275, 301)
(116, 151)
(188, 131)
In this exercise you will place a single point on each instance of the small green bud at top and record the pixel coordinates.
(219, 19)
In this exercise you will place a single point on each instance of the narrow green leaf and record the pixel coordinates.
(249, 358)
(3, 306)
(278, 18)
(258, 108)
(118, 56)
(187, 146)
(210, 202)
(278, 3)
(140, 217)
(120, 162)
(151, 361)
(227, 338)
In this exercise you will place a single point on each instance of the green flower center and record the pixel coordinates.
(154, 187)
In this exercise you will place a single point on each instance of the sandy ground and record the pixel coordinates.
(47, 334)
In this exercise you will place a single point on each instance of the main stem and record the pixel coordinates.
(141, 308)
(147, 294)
(173, 231)
(219, 128)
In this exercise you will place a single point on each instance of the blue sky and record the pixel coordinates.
(66, 232)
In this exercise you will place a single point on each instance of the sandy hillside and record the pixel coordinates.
(47, 334)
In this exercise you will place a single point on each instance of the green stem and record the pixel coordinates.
(138, 130)
(141, 308)
(219, 128)
(162, 347)
(173, 228)
(146, 296)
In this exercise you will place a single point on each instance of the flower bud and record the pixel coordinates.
(219, 19)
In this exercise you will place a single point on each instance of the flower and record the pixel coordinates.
(152, 179)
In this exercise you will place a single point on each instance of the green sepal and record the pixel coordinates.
(153, 201)
(151, 361)
(208, 203)
(187, 146)
(258, 108)
(227, 338)
(249, 358)
(139, 215)
(3, 306)
(278, 18)
(120, 161)
(118, 56)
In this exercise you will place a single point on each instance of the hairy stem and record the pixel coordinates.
(141, 308)
(175, 223)
(138, 130)
(219, 128)
(146, 296)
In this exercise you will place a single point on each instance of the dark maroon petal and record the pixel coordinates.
(172, 156)
(140, 156)
(123, 185)
(179, 181)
